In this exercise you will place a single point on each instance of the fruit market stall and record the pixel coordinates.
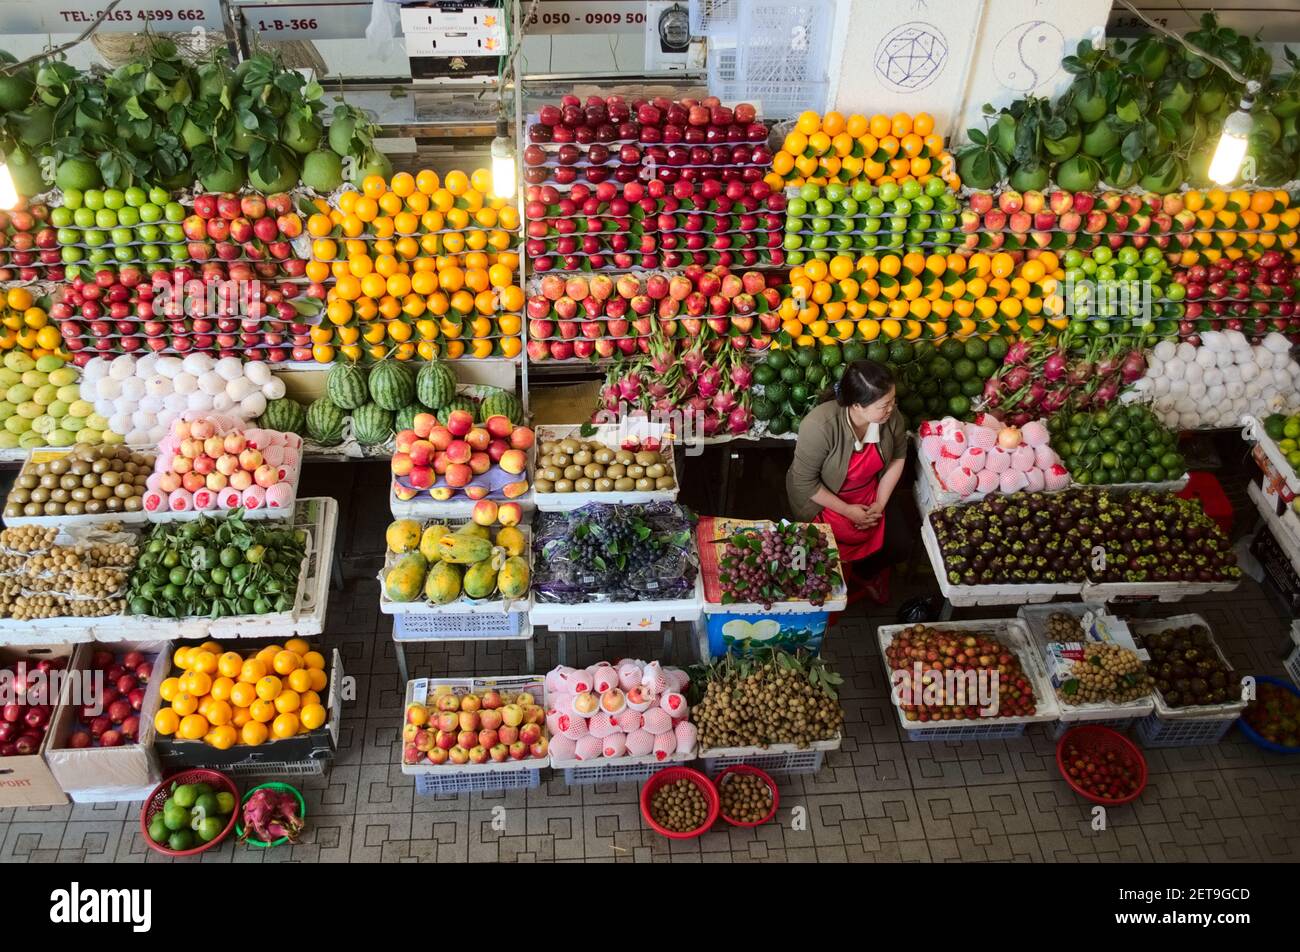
(767, 585)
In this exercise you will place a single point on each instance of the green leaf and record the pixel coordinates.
(1133, 147)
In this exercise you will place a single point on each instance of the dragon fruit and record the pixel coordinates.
(1017, 353)
(1054, 366)
(1056, 478)
(1022, 458)
(1034, 433)
(742, 377)
(986, 481)
(724, 401)
(1012, 481)
(629, 388)
(998, 460)
(1034, 481)
(693, 363)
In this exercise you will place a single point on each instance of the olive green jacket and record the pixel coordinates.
(821, 455)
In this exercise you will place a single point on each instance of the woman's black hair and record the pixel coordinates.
(864, 382)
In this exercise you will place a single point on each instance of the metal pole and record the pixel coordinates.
(516, 77)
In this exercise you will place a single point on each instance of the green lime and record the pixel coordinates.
(952, 349)
(1156, 474)
(210, 828)
(207, 802)
(997, 348)
(1291, 429)
(776, 359)
(940, 367)
(185, 795)
(180, 841)
(158, 831)
(1274, 425)
(804, 356)
(764, 374)
(176, 817)
(959, 406)
(963, 369)
(878, 351)
(976, 349)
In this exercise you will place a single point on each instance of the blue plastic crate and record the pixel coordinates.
(432, 784)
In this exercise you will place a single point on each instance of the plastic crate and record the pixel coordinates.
(619, 770)
(302, 768)
(1185, 726)
(775, 55)
(432, 784)
(1013, 633)
(1121, 724)
(714, 16)
(782, 759)
(507, 625)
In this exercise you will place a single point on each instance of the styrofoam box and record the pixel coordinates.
(1253, 432)
(45, 454)
(1035, 619)
(611, 435)
(836, 603)
(420, 687)
(620, 616)
(1000, 594)
(1229, 711)
(1015, 636)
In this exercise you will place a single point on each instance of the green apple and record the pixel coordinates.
(174, 211)
(106, 218)
(136, 196)
(159, 196)
(128, 216)
(151, 212)
(94, 199)
(114, 198)
(84, 218)
(73, 198)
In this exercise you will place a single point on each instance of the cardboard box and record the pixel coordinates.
(28, 781)
(108, 774)
(319, 744)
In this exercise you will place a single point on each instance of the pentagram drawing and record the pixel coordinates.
(911, 56)
(1028, 56)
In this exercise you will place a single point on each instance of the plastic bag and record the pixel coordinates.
(384, 28)
(920, 610)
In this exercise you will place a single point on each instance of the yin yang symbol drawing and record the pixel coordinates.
(1028, 56)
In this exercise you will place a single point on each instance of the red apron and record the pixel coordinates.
(860, 485)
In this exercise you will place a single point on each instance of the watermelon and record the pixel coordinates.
(391, 385)
(502, 403)
(285, 415)
(325, 422)
(346, 385)
(405, 418)
(468, 404)
(435, 386)
(372, 424)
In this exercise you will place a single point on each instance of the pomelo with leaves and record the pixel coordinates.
(322, 170)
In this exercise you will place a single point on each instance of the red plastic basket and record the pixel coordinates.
(1096, 739)
(152, 806)
(669, 775)
(761, 775)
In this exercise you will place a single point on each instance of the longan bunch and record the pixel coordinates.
(83, 557)
(1062, 627)
(1107, 673)
(90, 583)
(31, 607)
(679, 806)
(764, 708)
(27, 539)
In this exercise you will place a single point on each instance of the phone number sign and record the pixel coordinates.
(587, 16)
(130, 16)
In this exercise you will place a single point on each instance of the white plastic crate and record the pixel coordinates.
(432, 784)
(1015, 636)
(1253, 432)
(778, 759)
(43, 454)
(464, 607)
(620, 616)
(714, 16)
(1185, 726)
(1001, 594)
(611, 435)
(504, 625)
(616, 770)
(775, 55)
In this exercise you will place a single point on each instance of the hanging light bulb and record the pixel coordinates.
(8, 191)
(503, 162)
(1226, 164)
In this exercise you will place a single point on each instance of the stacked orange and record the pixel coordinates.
(909, 296)
(832, 148)
(223, 698)
(421, 268)
(27, 327)
(1236, 224)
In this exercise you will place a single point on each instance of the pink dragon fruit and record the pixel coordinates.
(742, 377)
(724, 401)
(611, 397)
(1056, 478)
(640, 743)
(665, 744)
(686, 736)
(1012, 481)
(1034, 480)
(693, 362)
(1022, 458)
(739, 421)
(962, 481)
(615, 745)
(1045, 457)
(981, 437)
(1034, 433)
(629, 388)
(973, 459)
(588, 748)
(986, 481)
(999, 460)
